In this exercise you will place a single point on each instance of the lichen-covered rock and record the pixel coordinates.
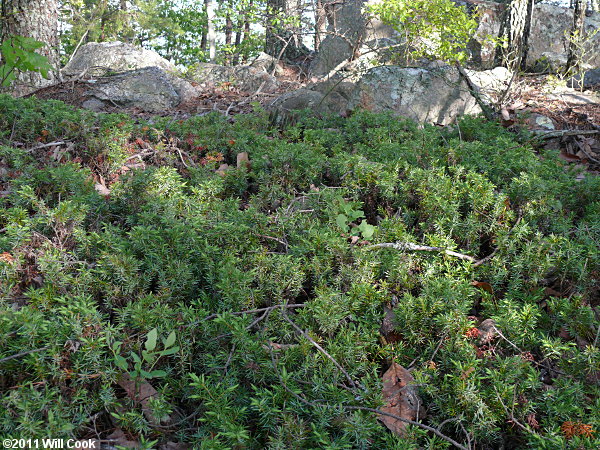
(246, 78)
(549, 29)
(150, 89)
(550, 26)
(432, 95)
(102, 58)
(347, 27)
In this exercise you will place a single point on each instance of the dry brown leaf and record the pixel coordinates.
(7, 257)
(483, 285)
(101, 189)
(118, 437)
(401, 397)
(142, 393)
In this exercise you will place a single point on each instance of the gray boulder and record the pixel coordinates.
(550, 22)
(591, 79)
(266, 63)
(150, 89)
(547, 41)
(246, 78)
(431, 95)
(102, 58)
(348, 26)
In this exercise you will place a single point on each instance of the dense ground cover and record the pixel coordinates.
(170, 276)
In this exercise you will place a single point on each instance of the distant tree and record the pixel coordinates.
(577, 32)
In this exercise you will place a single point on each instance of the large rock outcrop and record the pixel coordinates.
(102, 58)
(351, 34)
(245, 78)
(433, 94)
(549, 29)
(150, 89)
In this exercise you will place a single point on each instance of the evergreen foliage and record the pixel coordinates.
(159, 279)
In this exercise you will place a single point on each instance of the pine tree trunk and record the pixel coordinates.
(573, 59)
(37, 19)
(238, 41)
(228, 36)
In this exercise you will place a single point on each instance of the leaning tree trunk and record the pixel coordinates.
(574, 59)
(37, 19)
(516, 27)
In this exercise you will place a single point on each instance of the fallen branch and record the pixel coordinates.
(49, 144)
(408, 246)
(321, 349)
(250, 311)
(28, 352)
(562, 133)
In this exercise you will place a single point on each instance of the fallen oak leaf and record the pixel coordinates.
(401, 397)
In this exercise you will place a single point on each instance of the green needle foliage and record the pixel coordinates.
(176, 276)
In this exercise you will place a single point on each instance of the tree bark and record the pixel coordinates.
(228, 32)
(37, 19)
(204, 30)
(516, 28)
(573, 59)
(320, 22)
(211, 34)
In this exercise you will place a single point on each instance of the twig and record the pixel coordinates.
(18, 355)
(409, 246)
(250, 311)
(321, 349)
(49, 144)
(562, 133)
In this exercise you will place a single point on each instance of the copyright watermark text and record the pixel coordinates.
(51, 443)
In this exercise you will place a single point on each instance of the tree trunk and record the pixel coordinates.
(284, 39)
(228, 36)
(211, 35)
(247, 27)
(516, 28)
(320, 23)
(203, 38)
(238, 41)
(37, 19)
(573, 59)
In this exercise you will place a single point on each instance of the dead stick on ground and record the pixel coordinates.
(409, 246)
(318, 347)
(18, 355)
